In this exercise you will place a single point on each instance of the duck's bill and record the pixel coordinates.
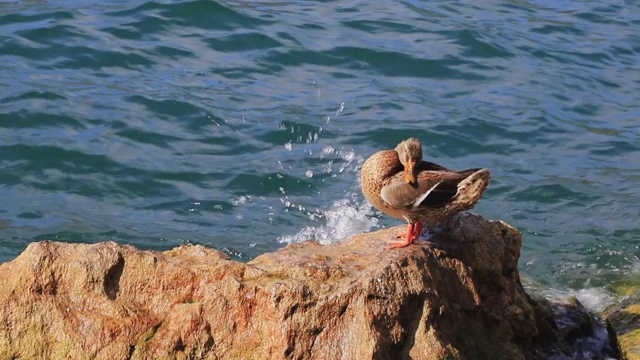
(410, 175)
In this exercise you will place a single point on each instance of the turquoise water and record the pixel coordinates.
(242, 125)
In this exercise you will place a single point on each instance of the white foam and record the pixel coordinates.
(594, 299)
(344, 219)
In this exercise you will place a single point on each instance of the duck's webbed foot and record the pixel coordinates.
(408, 238)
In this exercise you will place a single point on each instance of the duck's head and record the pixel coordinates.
(410, 154)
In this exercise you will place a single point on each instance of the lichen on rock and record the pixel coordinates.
(623, 320)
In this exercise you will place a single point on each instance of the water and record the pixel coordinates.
(243, 125)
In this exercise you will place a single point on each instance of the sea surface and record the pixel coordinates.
(242, 125)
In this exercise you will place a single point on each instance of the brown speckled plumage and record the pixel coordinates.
(420, 192)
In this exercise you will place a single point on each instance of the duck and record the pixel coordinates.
(399, 183)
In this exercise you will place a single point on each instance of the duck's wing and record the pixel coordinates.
(434, 188)
(429, 166)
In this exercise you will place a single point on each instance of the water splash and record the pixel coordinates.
(350, 161)
(594, 299)
(344, 219)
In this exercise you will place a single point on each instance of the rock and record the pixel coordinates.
(623, 320)
(458, 297)
(575, 333)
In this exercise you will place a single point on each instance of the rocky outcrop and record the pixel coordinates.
(457, 297)
(623, 320)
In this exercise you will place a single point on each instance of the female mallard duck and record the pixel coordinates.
(398, 183)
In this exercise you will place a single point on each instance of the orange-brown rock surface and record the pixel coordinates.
(623, 319)
(457, 297)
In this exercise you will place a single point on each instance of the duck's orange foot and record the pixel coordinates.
(399, 244)
(414, 230)
(410, 237)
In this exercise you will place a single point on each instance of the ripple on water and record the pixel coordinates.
(242, 42)
(32, 95)
(17, 121)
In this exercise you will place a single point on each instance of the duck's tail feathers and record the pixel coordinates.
(471, 188)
